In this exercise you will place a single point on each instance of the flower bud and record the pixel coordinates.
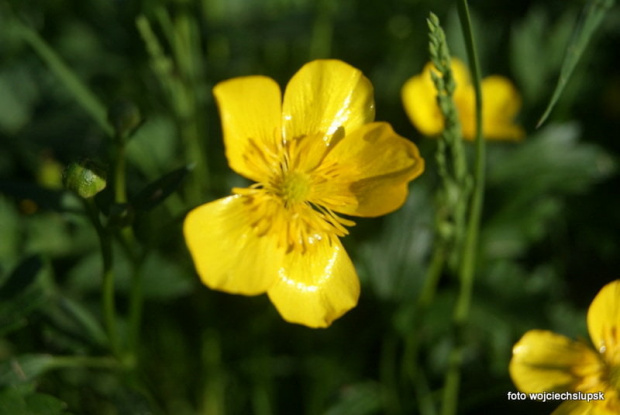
(84, 178)
(125, 117)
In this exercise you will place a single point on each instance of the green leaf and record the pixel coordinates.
(528, 182)
(150, 147)
(545, 58)
(80, 321)
(129, 402)
(21, 278)
(19, 94)
(591, 18)
(24, 369)
(20, 295)
(554, 160)
(358, 399)
(156, 192)
(23, 401)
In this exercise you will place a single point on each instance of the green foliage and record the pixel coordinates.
(101, 311)
(24, 401)
(593, 14)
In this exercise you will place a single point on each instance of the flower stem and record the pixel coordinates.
(108, 302)
(128, 243)
(435, 269)
(470, 248)
(135, 308)
(120, 191)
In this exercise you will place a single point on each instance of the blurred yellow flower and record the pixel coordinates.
(500, 99)
(543, 361)
(313, 154)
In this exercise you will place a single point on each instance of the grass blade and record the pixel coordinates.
(590, 19)
(85, 97)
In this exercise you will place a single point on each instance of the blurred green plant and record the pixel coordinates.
(100, 310)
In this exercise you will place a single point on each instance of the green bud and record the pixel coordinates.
(125, 117)
(84, 178)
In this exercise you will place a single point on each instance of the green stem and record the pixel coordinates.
(108, 301)
(435, 269)
(410, 366)
(470, 248)
(135, 309)
(127, 240)
(120, 189)
(184, 88)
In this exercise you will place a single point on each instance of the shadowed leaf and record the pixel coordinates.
(156, 192)
(590, 19)
(24, 401)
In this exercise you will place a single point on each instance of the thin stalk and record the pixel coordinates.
(120, 189)
(108, 301)
(184, 89)
(136, 302)
(468, 261)
(410, 367)
(128, 243)
(435, 270)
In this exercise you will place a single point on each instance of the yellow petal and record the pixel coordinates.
(374, 165)
(316, 287)
(251, 110)
(419, 100)
(576, 408)
(227, 252)
(419, 97)
(460, 72)
(604, 322)
(324, 96)
(543, 361)
(501, 104)
(586, 408)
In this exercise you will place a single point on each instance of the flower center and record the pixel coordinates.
(295, 187)
(290, 204)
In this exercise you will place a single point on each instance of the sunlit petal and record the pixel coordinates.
(374, 165)
(420, 102)
(543, 361)
(419, 97)
(325, 96)
(501, 104)
(316, 289)
(227, 251)
(577, 408)
(586, 408)
(604, 322)
(250, 109)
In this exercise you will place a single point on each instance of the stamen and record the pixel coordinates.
(294, 203)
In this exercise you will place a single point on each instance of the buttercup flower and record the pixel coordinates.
(313, 155)
(500, 99)
(543, 361)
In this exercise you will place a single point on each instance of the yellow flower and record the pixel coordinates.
(543, 361)
(314, 154)
(500, 99)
